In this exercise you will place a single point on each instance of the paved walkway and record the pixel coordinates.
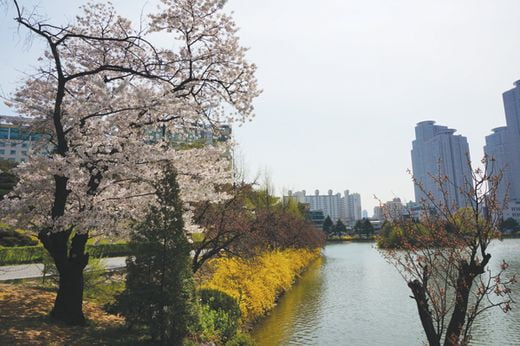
(29, 271)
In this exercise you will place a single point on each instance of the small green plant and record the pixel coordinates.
(219, 316)
(241, 339)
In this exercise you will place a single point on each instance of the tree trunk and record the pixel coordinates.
(419, 294)
(68, 306)
(458, 317)
(467, 273)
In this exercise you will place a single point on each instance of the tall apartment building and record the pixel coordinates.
(353, 206)
(503, 145)
(438, 151)
(346, 208)
(497, 149)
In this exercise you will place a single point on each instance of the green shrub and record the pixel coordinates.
(241, 339)
(21, 255)
(35, 254)
(219, 316)
(216, 325)
(218, 300)
(12, 237)
(109, 250)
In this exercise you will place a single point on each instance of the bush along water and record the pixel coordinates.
(257, 282)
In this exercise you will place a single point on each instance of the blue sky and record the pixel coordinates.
(345, 82)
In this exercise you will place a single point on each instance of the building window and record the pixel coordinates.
(24, 145)
(24, 153)
(13, 152)
(2, 152)
(11, 159)
(2, 144)
(4, 132)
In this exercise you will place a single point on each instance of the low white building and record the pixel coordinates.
(346, 208)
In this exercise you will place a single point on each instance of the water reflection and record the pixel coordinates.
(295, 315)
(353, 297)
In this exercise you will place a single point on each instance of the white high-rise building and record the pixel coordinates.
(503, 146)
(437, 151)
(346, 208)
(353, 206)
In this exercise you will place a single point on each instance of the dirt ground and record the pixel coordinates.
(24, 321)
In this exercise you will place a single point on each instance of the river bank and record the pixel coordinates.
(256, 283)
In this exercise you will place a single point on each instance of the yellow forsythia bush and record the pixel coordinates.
(257, 282)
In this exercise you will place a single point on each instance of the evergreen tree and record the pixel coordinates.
(340, 227)
(359, 227)
(367, 227)
(160, 289)
(364, 227)
(328, 225)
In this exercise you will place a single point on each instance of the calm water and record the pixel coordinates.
(353, 297)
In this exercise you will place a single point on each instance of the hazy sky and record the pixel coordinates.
(345, 82)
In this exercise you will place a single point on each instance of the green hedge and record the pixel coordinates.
(34, 254)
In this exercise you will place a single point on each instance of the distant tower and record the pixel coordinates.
(497, 150)
(436, 151)
(512, 140)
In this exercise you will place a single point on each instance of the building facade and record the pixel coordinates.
(16, 141)
(346, 208)
(438, 151)
(503, 147)
(496, 149)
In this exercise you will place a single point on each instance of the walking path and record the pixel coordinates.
(34, 270)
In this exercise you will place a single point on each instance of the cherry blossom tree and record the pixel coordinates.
(107, 103)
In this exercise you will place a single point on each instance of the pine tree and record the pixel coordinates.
(340, 227)
(328, 225)
(160, 291)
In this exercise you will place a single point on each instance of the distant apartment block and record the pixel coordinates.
(346, 208)
(395, 209)
(438, 151)
(503, 146)
(16, 140)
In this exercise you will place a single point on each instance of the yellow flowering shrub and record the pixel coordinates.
(257, 282)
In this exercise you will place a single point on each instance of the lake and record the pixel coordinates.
(352, 296)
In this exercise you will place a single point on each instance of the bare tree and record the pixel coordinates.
(444, 258)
